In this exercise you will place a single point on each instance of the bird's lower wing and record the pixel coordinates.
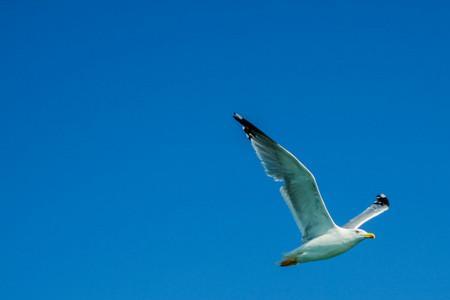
(300, 189)
(378, 207)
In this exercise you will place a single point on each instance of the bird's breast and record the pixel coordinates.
(325, 246)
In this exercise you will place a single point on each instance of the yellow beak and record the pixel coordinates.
(369, 235)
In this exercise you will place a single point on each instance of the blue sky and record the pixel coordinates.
(124, 176)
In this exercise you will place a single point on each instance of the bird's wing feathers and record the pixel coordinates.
(380, 205)
(300, 189)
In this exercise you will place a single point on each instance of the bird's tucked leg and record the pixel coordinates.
(289, 261)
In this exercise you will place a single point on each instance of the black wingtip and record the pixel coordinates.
(250, 129)
(240, 119)
(246, 125)
(382, 199)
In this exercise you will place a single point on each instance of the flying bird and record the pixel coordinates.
(321, 237)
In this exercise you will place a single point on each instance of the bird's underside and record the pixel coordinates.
(321, 237)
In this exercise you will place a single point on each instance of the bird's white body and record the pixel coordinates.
(336, 241)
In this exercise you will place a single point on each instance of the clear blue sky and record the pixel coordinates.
(124, 176)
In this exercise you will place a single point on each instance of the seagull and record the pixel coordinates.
(321, 237)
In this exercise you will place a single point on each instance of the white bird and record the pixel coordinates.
(321, 237)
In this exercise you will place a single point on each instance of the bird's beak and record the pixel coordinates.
(369, 235)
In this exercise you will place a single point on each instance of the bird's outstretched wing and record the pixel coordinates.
(380, 205)
(300, 189)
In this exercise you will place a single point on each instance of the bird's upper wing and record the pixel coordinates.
(380, 205)
(300, 189)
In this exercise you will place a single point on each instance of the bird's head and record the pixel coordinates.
(364, 234)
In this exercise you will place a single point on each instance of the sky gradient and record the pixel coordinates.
(124, 176)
